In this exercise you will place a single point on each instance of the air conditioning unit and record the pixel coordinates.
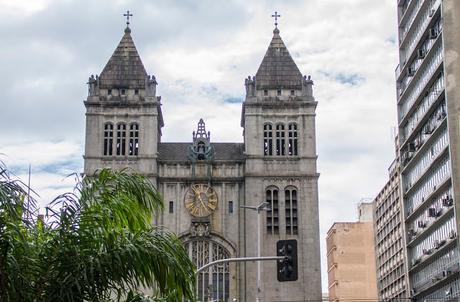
(432, 12)
(433, 33)
(427, 251)
(410, 71)
(432, 212)
(428, 129)
(436, 279)
(439, 243)
(421, 53)
(452, 234)
(421, 224)
(438, 212)
(447, 201)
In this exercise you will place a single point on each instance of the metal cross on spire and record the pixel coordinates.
(276, 19)
(127, 15)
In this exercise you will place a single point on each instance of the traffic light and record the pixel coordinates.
(287, 267)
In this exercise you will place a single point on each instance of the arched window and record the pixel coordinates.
(268, 139)
(121, 139)
(134, 139)
(215, 280)
(273, 212)
(290, 197)
(108, 139)
(280, 140)
(292, 143)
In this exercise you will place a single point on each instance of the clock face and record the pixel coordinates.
(200, 200)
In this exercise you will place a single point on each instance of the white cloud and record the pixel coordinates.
(40, 153)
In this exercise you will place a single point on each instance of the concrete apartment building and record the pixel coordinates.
(389, 239)
(351, 258)
(429, 121)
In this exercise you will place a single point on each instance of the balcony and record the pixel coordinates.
(418, 263)
(419, 149)
(422, 78)
(428, 229)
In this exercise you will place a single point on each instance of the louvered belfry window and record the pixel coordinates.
(108, 139)
(273, 211)
(121, 139)
(134, 139)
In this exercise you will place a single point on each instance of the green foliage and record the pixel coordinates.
(98, 244)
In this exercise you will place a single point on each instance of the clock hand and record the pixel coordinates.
(201, 201)
(195, 190)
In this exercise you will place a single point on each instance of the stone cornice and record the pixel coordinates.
(187, 180)
(118, 104)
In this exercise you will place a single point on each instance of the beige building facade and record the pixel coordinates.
(351, 259)
(204, 183)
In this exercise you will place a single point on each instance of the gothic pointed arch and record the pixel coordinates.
(213, 283)
(291, 195)
(272, 218)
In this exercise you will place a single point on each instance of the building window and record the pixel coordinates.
(278, 92)
(134, 139)
(230, 207)
(136, 91)
(292, 92)
(171, 207)
(265, 92)
(109, 91)
(212, 282)
(290, 196)
(292, 134)
(123, 92)
(121, 139)
(268, 140)
(280, 140)
(108, 139)
(273, 211)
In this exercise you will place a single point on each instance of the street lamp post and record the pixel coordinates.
(262, 206)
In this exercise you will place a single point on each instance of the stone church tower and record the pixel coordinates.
(123, 111)
(280, 168)
(206, 185)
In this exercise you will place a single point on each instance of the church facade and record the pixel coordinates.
(206, 185)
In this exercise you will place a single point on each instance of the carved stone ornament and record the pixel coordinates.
(199, 229)
(201, 149)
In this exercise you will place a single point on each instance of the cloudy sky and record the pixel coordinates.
(200, 52)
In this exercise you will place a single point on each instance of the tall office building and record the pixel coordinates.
(428, 117)
(389, 238)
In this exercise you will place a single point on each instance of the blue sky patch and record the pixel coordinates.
(233, 100)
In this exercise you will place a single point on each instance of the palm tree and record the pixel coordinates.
(99, 244)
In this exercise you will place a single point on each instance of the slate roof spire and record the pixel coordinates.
(124, 68)
(278, 70)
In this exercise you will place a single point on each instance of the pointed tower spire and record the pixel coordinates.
(278, 70)
(124, 69)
